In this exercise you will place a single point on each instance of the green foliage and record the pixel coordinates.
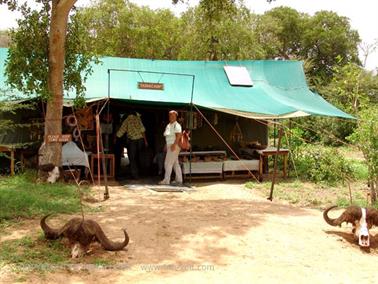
(223, 30)
(102, 21)
(148, 34)
(366, 137)
(321, 164)
(327, 130)
(280, 32)
(27, 67)
(29, 254)
(22, 196)
(324, 40)
(360, 170)
(27, 62)
(119, 28)
(329, 40)
(352, 88)
(219, 37)
(8, 109)
(35, 254)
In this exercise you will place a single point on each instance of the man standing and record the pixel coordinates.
(136, 136)
(172, 135)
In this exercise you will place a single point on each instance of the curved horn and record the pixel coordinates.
(330, 221)
(50, 233)
(108, 244)
(350, 215)
(53, 234)
(372, 217)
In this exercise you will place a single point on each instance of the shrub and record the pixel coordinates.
(366, 138)
(321, 164)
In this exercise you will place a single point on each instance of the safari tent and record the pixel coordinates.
(231, 98)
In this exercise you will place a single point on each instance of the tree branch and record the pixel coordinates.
(66, 5)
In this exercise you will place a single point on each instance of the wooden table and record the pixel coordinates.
(271, 151)
(210, 169)
(10, 150)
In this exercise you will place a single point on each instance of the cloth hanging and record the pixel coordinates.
(236, 133)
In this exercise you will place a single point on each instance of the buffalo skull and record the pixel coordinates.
(80, 233)
(362, 219)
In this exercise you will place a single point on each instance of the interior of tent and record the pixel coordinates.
(208, 150)
(208, 153)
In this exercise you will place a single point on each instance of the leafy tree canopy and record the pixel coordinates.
(27, 63)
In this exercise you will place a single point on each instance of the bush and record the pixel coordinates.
(328, 131)
(366, 138)
(321, 164)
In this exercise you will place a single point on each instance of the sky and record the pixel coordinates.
(362, 14)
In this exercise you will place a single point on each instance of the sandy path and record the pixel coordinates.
(219, 233)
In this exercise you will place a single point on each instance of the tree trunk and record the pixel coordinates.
(373, 191)
(51, 153)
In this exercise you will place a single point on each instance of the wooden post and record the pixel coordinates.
(98, 149)
(350, 192)
(101, 156)
(104, 169)
(285, 156)
(12, 161)
(275, 164)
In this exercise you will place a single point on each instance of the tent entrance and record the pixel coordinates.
(155, 118)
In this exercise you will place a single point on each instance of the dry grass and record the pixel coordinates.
(308, 194)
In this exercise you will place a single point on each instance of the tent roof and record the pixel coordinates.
(279, 87)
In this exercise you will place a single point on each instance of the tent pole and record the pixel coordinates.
(104, 162)
(288, 139)
(191, 131)
(104, 169)
(98, 153)
(274, 133)
(275, 163)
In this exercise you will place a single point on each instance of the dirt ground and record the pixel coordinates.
(214, 233)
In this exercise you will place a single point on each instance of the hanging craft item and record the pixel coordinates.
(187, 120)
(181, 118)
(71, 120)
(91, 142)
(195, 120)
(76, 134)
(199, 120)
(215, 119)
(236, 133)
(85, 118)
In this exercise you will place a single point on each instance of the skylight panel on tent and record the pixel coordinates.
(238, 76)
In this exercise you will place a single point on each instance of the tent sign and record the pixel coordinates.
(150, 86)
(58, 138)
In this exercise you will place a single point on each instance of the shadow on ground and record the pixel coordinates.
(350, 239)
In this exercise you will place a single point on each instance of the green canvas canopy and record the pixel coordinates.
(279, 87)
